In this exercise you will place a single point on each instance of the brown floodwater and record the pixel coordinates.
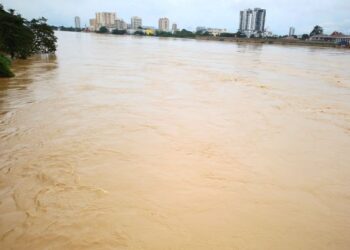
(147, 143)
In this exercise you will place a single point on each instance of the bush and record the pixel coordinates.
(119, 32)
(163, 33)
(184, 34)
(228, 34)
(305, 37)
(139, 33)
(5, 67)
(203, 33)
(103, 30)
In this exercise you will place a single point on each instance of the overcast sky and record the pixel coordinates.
(281, 14)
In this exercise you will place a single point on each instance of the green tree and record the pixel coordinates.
(241, 34)
(305, 37)
(163, 33)
(202, 33)
(118, 32)
(184, 34)
(20, 38)
(225, 34)
(103, 30)
(16, 39)
(67, 28)
(44, 36)
(5, 67)
(318, 30)
(139, 33)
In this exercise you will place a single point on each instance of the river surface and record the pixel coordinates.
(147, 143)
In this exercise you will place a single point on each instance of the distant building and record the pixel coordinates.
(291, 31)
(339, 39)
(163, 24)
(201, 29)
(174, 28)
(92, 25)
(336, 33)
(136, 23)
(252, 22)
(106, 19)
(215, 31)
(211, 31)
(77, 22)
(120, 24)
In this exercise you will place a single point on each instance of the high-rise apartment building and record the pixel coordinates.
(92, 25)
(291, 31)
(120, 24)
(136, 23)
(252, 21)
(174, 28)
(163, 24)
(106, 19)
(77, 22)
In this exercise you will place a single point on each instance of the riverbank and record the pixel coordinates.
(270, 41)
(279, 41)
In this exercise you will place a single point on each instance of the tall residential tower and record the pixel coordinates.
(77, 22)
(106, 19)
(291, 31)
(163, 24)
(136, 23)
(174, 28)
(252, 21)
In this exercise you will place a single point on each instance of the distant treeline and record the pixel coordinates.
(180, 33)
(188, 34)
(20, 38)
(63, 28)
(143, 32)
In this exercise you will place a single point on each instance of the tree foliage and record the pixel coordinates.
(241, 34)
(202, 33)
(16, 38)
(318, 30)
(139, 33)
(181, 34)
(118, 32)
(103, 30)
(44, 36)
(228, 34)
(5, 67)
(305, 37)
(184, 34)
(163, 33)
(21, 38)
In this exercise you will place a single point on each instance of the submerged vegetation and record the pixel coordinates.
(5, 66)
(20, 38)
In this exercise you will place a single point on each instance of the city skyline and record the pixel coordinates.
(189, 14)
